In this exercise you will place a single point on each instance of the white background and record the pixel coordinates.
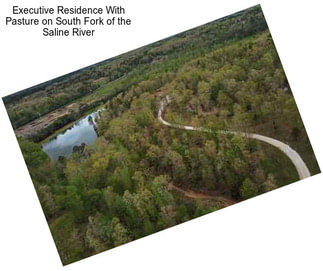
(281, 230)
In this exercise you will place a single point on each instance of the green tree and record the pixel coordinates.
(93, 200)
(248, 189)
(119, 233)
(32, 152)
(270, 183)
(93, 236)
(47, 201)
(74, 202)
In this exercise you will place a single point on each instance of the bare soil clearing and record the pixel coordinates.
(221, 201)
(40, 123)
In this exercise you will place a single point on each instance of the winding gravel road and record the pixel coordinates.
(296, 159)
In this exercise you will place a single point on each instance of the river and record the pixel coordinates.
(83, 131)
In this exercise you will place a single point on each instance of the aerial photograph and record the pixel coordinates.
(161, 135)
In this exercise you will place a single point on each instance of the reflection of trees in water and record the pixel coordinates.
(79, 148)
(90, 119)
(93, 118)
(96, 130)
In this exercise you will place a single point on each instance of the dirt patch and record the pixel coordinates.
(40, 123)
(221, 201)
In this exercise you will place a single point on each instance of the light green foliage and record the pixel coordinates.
(270, 183)
(47, 200)
(132, 181)
(93, 237)
(161, 195)
(119, 234)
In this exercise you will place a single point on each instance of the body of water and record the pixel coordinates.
(83, 131)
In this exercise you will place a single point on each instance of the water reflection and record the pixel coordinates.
(83, 131)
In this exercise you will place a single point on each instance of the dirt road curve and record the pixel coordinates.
(296, 159)
(221, 201)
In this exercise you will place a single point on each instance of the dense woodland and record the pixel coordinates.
(129, 69)
(225, 75)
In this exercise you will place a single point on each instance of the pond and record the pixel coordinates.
(83, 131)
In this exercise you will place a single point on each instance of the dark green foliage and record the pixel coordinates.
(58, 92)
(215, 89)
(33, 154)
(140, 176)
(248, 189)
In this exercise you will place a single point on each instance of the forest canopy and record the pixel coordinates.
(140, 176)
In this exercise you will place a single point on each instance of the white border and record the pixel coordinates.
(281, 230)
